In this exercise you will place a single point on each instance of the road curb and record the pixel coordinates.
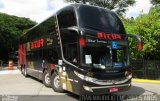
(146, 81)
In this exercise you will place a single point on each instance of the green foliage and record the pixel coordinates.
(155, 2)
(11, 27)
(148, 27)
(119, 5)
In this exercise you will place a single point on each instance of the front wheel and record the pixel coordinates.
(55, 83)
(46, 79)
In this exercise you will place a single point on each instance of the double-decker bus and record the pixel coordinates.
(81, 48)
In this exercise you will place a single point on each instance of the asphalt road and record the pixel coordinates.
(15, 87)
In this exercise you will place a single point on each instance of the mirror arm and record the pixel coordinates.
(140, 45)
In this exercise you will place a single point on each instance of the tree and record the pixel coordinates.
(11, 28)
(155, 2)
(120, 6)
(148, 27)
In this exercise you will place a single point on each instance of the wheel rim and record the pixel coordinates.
(22, 70)
(57, 82)
(25, 71)
(47, 79)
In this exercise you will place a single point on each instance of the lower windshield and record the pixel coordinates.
(99, 57)
(120, 57)
(105, 57)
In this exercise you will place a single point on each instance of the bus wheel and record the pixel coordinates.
(46, 79)
(24, 71)
(55, 83)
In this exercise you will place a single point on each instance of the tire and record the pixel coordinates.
(55, 83)
(24, 71)
(46, 79)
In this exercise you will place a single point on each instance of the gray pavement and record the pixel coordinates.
(14, 84)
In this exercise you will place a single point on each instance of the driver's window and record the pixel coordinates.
(70, 46)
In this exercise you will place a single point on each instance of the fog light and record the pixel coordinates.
(88, 88)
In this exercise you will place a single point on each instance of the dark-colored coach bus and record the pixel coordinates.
(82, 49)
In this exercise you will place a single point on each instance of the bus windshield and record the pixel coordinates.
(100, 19)
(105, 57)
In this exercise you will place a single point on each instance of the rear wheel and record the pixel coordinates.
(55, 83)
(46, 79)
(24, 71)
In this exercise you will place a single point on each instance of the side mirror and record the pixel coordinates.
(140, 45)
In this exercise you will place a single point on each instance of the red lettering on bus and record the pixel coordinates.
(101, 35)
(37, 44)
(42, 42)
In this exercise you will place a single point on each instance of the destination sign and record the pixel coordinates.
(101, 35)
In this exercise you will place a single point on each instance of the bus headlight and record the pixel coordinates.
(86, 78)
(79, 75)
(90, 79)
(87, 88)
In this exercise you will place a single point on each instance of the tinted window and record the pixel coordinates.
(70, 46)
(50, 55)
(44, 28)
(98, 56)
(100, 19)
(67, 18)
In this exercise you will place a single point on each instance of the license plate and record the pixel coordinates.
(111, 90)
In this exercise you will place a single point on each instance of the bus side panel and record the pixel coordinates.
(20, 55)
(24, 54)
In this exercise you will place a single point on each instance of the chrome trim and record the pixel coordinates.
(31, 69)
(62, 46)
(111, 86)
(103, 82)
(110, 82)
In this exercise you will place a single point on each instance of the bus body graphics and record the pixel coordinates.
(82, 49)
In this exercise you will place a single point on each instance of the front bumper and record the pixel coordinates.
(99, 90)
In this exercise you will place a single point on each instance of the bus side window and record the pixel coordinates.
(70, 46)
(53, 56)
(50, 56)
(72, 53)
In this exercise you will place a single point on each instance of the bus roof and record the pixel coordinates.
(77, 7)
